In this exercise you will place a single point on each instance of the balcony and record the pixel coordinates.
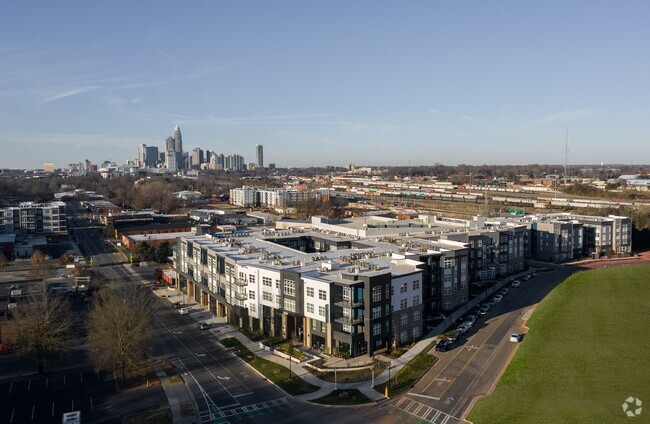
(350, 304)
(240, 296)
(349, 320)
(240, 282)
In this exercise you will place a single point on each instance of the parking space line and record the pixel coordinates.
(29, 384)
(33, 408)
(12, 415)
(11, 386)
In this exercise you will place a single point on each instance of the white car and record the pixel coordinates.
(498, 298)
(516, 283)
(470, 320)
(516, 337)
(184, 311)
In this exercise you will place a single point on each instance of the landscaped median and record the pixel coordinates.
(279, 375)
(409, 374)
(344, 397)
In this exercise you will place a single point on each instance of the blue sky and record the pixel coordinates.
(327, 83)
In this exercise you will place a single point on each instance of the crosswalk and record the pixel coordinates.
(261, 407)
(426, 413)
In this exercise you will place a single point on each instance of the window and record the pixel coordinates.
(290, 305)
(403, 303)
(376, 312)
(267, 296)
(310, 308)
(403, 319)
(347, 294)
(403, 288)
(321, 311)
(404, 336)
(416, 315)
(379, 343)
(387, 312)
(251, 278)
(416, 300)
(289, 288)
(446, 305)
(392, 290)
(376, 294)
(278, 299)
(251, 294)
(387, 325)
(448, 263)
(266, 281)
(416, 285)
(310, 292)
(447, 291)
(322, 294)
(252, 308)
(376, 329)
(416, 332)
(387, 291)
(347, 328)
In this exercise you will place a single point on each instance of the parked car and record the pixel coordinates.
(471, 319)
(485, 308)
(504, 291)
(526, 277)
(184, 311)
(498, 298)
(176, 305)
(452, 336)
(464, 328)
(532, 275)
(516, 337)
(203, 325)
(442, 345)
(516, 283)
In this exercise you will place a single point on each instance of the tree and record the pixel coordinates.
(164, 251)
(3, 260)
(42, 326)
(65, 259)
(119, 328)
(37, 258)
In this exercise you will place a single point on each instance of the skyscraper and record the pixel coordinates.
(178, 146)
(259, 152)
(174, 148)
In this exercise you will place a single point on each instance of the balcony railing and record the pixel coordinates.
(240, 282)
(349, 304)
(240, 296)
(349, 320)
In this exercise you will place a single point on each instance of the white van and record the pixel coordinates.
(184, 311)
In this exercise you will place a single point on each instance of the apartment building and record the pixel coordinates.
(34, 218)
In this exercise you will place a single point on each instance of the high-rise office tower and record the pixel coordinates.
(178, 146)
(142, 152)
(259, 152)
(147, 156)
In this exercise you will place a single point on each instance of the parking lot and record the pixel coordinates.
(44, 399)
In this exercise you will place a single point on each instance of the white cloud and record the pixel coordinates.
(68, 93)
(563, 117)
(433, 112)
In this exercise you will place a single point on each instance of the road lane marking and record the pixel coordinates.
(33, 408)
(11, 386)
(423, 396)
(12, 415)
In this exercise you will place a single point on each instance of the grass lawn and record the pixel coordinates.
(409, 374)
(272, 371)
(587, 350)
(344, 397)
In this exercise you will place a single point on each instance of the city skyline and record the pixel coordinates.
(331, 84)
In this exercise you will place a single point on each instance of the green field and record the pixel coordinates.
(587, 350)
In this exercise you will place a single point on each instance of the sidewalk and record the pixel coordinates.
(221, 329)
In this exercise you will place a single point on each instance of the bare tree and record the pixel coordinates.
(42, 326)
(65, 259)
(37, 258)
(120, 329)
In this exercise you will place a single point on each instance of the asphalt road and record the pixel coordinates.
(476, 361)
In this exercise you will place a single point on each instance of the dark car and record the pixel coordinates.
(176, 305)
(442, 345)
(203, 325)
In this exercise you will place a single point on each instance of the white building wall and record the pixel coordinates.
(318, 303)
(398, 296)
